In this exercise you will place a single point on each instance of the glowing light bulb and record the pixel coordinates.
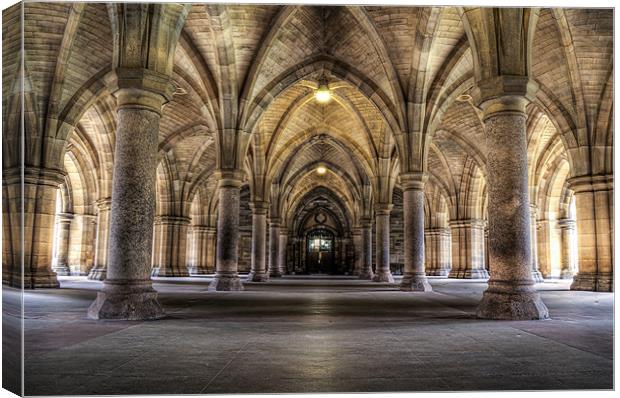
(321, 170)
(323, 94)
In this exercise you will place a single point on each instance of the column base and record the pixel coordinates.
(469, 274)
(383, 276)
(45, 281)
(224, 283)
(593, 282)
(366, 275)
(197, 271)
(62, 270)
(537, 277)
(566, 274)
(97, 274)
(169, 272)
(275, 274)
(512, 304)
(257, 277)
(415, 283)
(127, 303)
(438, 272)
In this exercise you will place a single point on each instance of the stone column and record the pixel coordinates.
(172, 253)
(486, 245)
(510, 294)
(567, 228)
(128, 292)
(468, 249)
(383, 273)
(211, 244)
(63, 225)
(536, 275)
(227, 246)
(438, 248)
(414, 275)
(366, 271)
(37, 194)
(594, 205)
(199, 250)
(282, 246)
(259, 236)
(89, 239)
(274, 242)
(543, 233)
(81, 245)
(358, 245)
(98, 272)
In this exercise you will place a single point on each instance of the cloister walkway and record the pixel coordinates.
(314, 334)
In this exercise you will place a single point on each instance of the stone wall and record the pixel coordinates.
(397, 242)
(245, 231)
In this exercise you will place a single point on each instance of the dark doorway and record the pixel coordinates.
(320, 252)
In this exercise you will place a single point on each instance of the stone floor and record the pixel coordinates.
(315, 335)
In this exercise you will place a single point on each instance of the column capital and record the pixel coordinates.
(140, 88)
(200, 228)
(383, 208)
(366, 222)
(65, 217)
(413, 180)
(274, 221)
(439, 231)
(566, 223)
(468, 223)
(259, 207)
(90, 217)
(502, 94)
(283, 230)
(591, 183)
(167, 219)
(34, 175)
(103, 204)
(229, 178)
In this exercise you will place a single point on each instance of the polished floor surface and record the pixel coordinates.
(315, 335)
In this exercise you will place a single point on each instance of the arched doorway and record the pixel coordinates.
(320, 250)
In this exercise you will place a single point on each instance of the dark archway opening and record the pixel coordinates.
(320, 252)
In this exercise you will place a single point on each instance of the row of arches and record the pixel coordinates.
(222, 96)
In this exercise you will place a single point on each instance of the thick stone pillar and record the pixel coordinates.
(594, 205)
(536, 275)
(366, 271)
(543, 233)
(510, 294)
(259, 238)
(82, 243)
(414, 275)
(274, 243)
(40, 187)
(99, 270)
(437, 251)
(172, 251)
(358, 245)
(567, 228)
(128, 293)
(211, 244)
(468, 249)
(282, 246)
(63, 228)
(486, 246)
(227, 245)
(383, 273)
(199, 250)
